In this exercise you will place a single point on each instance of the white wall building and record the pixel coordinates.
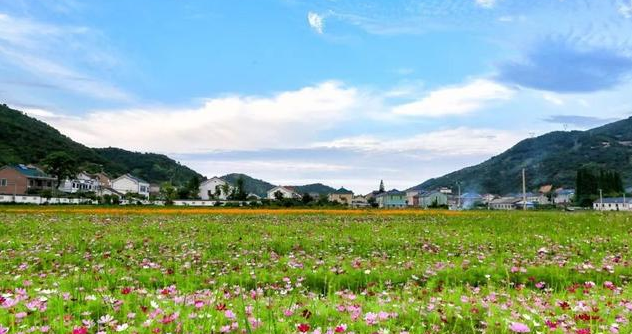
(83, 182)
(288, 192)
(212, 187)
(613, 204)
(130, 184)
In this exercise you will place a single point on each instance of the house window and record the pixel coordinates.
(3, 182)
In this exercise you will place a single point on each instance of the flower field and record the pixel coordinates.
(308, 272)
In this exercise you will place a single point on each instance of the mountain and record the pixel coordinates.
(260, 187)
(553, 158)
(24, 139)
(251, 185)
(317, 188)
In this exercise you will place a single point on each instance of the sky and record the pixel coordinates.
(343, 92)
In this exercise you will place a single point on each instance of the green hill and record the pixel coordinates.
(24, 139)
(553, 158)
(261, 187)
(251, 185)
(317, 188)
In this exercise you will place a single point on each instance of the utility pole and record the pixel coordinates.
(458, 206)
(524, 190)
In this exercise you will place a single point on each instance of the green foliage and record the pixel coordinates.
(24, 139)
(588, 184)
(553, 158)
(60, 165)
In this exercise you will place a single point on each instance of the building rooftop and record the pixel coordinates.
(615, 200)
(30, 171)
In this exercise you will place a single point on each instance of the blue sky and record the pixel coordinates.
(334, 91)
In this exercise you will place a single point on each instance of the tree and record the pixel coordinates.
(307, 198)
(226, 190)
(60, 165)
(168, 192)
(278, 195)
(382, 187)
(372, 202)
(193, 186)
(240, 191)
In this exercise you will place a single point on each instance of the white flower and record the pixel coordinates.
(122, 327)
(106, 319)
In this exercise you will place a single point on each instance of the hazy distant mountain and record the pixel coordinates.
(261, 187)
(552, 158)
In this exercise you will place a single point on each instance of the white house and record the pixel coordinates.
(504, 203)
(286, 191)
(83, 182)
(613, 204)
(213, 188)
(564, 196)
(130, 184)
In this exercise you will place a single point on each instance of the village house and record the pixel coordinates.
(433, 198)
(412, 197)
(360, 202)
(214, 188)
(83, 182)
(504, 203)
(613, 204)
(22, 179)
(391, 199)
(564, 196)
(285, 191)
(127, 184)
(342, 196)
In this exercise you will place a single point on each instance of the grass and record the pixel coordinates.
(63, 269)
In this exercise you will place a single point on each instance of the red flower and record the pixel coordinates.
(126, 290)
(583, 331)
(551, 324)
(221, 307)
(303, 328)
(80, 330)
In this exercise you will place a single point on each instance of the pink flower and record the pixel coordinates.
(230, 314)
(340, 328)
(80, 330)
(370, 318)
(518, 327)
(540, 285)
(3, 330)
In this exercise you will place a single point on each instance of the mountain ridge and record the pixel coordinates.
(552, 158)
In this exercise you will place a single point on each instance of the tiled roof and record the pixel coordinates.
(343, 191)
(614, 200)
(31, 172)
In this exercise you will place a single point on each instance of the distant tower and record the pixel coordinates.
(382, 186)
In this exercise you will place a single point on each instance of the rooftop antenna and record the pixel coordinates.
(565, 127)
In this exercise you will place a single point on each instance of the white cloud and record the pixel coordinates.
(486, 3)
(316, 21)
(51, 53)
(288, 119)
(450, 142)
(625, 9)
(456, 100)
(553, 98)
